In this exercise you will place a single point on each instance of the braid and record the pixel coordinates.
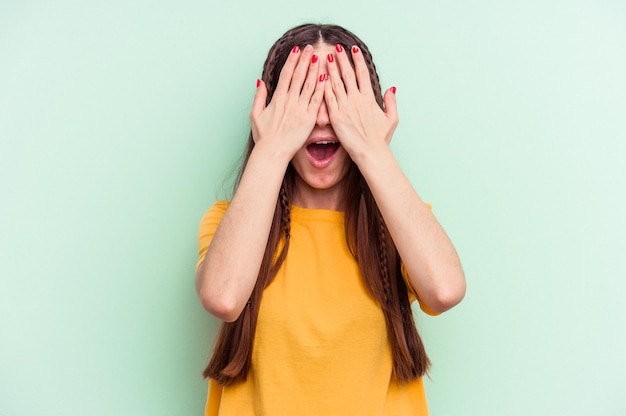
(270, 75)
(379, 262)
(274, 63)
(286, 217)
(383, 259)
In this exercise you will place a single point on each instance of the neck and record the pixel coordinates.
(308, 197)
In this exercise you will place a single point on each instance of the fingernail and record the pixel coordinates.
(314, 58)
(324, 77)
(355, 49)
(393, 90)
(258, 83)
(331, 58)
(295, 49)
(339, 48)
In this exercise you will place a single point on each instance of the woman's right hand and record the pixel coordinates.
(286, 123)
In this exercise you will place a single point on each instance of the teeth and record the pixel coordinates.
(326, 142)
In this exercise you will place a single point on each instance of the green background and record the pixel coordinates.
(119, 123)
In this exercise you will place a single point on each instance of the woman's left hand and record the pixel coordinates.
(358, 121)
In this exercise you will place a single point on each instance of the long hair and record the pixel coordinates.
(366, 233)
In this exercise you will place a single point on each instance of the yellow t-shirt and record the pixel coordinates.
(321, 345)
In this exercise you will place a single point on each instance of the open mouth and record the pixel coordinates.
(322, 150)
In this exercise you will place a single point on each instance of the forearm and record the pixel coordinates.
(431, 261)
(227, 276)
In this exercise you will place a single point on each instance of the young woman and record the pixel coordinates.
(314, 262)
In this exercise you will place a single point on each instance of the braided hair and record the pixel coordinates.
(367, 236)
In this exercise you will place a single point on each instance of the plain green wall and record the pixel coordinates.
(119, 121)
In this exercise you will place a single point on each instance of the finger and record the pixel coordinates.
(318, 95)
(286, 73)
(258, 104)
(301, 70)
(362, 72)
(330, 97)
(345, 67)
(310, 84)
(335, 79)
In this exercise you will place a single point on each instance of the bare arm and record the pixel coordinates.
(227, 275)
(365, 131)
(433, 266)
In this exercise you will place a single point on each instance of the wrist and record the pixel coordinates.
(271, 154)
(368, 157)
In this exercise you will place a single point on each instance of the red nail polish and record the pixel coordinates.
(393, 90)
(326, 77)
(295, 49)
(339, 48)
(258, 83)
(314, 58)
(355, 49)
(331, 58)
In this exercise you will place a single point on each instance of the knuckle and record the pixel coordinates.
(315, 101)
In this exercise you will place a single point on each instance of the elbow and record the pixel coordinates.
(220, 306)
(217, 303)
(448, 300)
(448, 296)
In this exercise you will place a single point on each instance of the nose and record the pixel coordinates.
(322, 119)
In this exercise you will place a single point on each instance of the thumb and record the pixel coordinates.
(391, 109)
(258, 105)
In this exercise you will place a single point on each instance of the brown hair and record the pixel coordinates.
(366, 234)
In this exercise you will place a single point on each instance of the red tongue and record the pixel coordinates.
(322, 151)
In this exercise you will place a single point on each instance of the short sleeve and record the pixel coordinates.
(412, 295)
(210, 220)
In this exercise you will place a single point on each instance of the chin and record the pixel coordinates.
(317, 183)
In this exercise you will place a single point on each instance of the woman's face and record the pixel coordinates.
(322, 163)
